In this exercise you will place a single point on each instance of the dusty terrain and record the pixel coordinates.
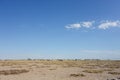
(59, 70)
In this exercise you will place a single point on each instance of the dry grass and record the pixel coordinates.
(52, 69)
(77, 75)
(68, 69)
(114, 73)
(93, 71)
(108, 69)
(10, 72)
(66, 63)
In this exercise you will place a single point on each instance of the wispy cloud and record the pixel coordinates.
(101, 51)
(106, 24)
(101, 54)
(73, 26)
(86, 24)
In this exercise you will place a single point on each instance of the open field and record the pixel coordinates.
(59, 70)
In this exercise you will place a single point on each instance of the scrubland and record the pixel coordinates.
(60, 69)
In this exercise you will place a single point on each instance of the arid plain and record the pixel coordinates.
(59, 70)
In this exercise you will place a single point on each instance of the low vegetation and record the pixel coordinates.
(93, 71)
(59, 69)
(65, 63)
(77, 75)
(15, 71)
(114, 73)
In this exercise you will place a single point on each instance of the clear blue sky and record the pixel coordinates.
(60, 29)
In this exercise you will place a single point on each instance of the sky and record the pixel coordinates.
(65, 29)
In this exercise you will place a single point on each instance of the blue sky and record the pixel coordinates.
(60, 29)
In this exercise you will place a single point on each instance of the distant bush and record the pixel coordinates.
(59, 59)
(29, 59)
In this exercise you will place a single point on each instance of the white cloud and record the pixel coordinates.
(87, 24)
(73, 26)
(108, 24)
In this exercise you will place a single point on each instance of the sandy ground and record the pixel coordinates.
(60, 70)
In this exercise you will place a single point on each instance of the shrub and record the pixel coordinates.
(77, 75)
